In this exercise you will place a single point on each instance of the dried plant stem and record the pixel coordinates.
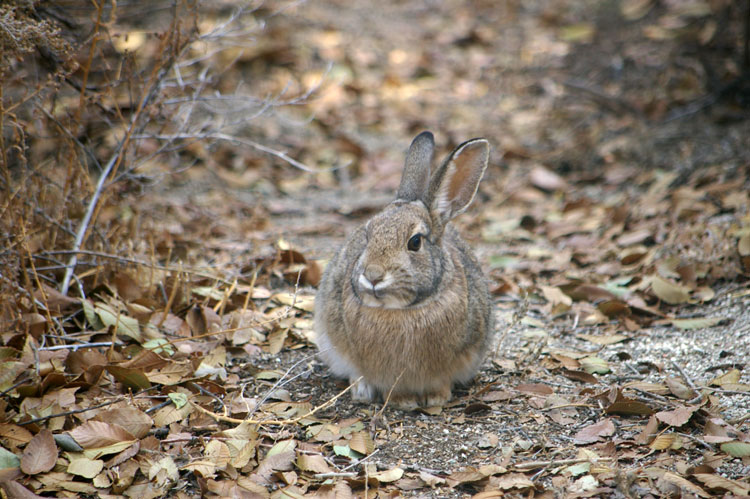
(83, 228)
(296, 420)
(554, 462)
(152, 86)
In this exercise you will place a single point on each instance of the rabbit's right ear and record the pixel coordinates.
(455, 183)
(416, 174)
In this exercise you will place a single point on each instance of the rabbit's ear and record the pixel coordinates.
(456, 181)
(417, 168)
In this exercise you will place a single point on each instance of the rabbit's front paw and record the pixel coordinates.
(362, 391)
(409, 402)
(438, 398)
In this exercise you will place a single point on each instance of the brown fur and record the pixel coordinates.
(437, 330)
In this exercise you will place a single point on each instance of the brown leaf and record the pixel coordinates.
(95, 434)
(40, 454)
(680, 389)
(614, 308)
(716, 432)
(361, 441)
(719, 482)
(555, 295)
(649, 431)
(14, 436)
(607, 339)
(743, 247)
(135, 421)
(629, 407)
(588, 292)
(595, 432)
(15, 490)
(56, 302)
(535, 388)
(677, 417)
(582, 376)
(460, 477)
(512, 481)
(684, 484)
(430, 480)
(497, 395)
(145, 361)
(476, 407)
(312, 462)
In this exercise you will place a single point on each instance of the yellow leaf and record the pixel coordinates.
(668, 291)
(731, 376)
(87, 468)
(388, 476)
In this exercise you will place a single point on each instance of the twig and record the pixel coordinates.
(77, 346)
(341, 474)
(561, 462)
(727, 392)
(690, 383)
(296, 420)
(360, 461)
(87, 219)
(248, 143)
(378, 415)
(565, 406)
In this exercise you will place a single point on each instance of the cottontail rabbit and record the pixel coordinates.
(404, 303)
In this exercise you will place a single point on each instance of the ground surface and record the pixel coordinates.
(613, 224)
(598, 111)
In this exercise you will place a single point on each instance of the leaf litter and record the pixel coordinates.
(621, 294)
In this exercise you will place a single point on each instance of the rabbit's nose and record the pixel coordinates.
(374, 274)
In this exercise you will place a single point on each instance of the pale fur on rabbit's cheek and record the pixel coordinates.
(379, 296)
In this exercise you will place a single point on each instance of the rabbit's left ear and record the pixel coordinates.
(455, 183)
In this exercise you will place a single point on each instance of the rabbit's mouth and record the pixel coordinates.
(380, 294)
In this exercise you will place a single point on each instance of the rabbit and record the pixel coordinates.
(404, 304)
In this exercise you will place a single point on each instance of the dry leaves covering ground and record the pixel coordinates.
(613, 223)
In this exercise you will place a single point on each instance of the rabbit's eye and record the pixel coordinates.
(415, 242)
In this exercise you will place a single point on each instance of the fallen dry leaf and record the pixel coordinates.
(595, 432)
(40, 454)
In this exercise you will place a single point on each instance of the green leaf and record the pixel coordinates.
(595, 365)
(159, 345)
(178, 399)
(346, 451)
(90, 312)
(132, 378)
(126, 326)
(578, 469)
(8, 459)
(209, 292)
(503, 261)
(736, 449)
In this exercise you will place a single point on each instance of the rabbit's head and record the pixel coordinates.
(403, 260)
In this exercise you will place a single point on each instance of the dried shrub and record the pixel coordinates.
(97, 102)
